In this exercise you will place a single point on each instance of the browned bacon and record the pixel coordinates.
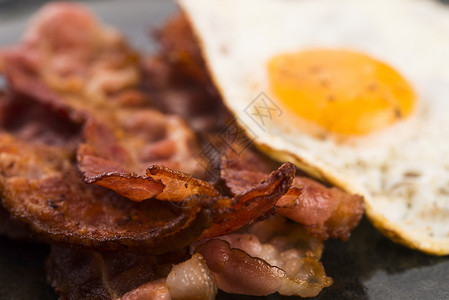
(75, 52)
(93, 79)
(191, 280)
(42, 189)
(155, 290)
(229, 214)
(325, 212)
(273, 256)
(179, 46)
(116, 155)
(30, 121)
(72, 63)
(238, 273)
(180, 186)
(288, 262)
(178, 81)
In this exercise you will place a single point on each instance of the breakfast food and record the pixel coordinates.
(323, 212)
(139, 203)
(344, 92)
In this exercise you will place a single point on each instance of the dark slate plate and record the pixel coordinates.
(369, 266)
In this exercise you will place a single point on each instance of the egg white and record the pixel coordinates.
(402, 171)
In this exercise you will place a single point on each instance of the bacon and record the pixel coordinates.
(104, 161)
(155, 290)
(78, 53)
(179, 186)
(117, 156)
(238, 273)
(325, 212)
(83, 274)
(241, 264)
(78, 71)
(283, 234)
(101, 92)
(28, 120)
(191, 280)
(2, 61)
(139, 138)
(236, 263)
(177, 79)
(41, 189)
(231, 214)
(178, 45)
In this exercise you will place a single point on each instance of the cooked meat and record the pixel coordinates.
(155, 290)
(286, 263)
(275, 255)
(324, 212)
(120, 143)
(178, 82)
(72, 63)
(116, 154)
(42, 189)
(138, 138)
(253, 205)
(72, 51)
(31, 121)
(179, 46)
(2, 62)
(180, 186)
(93, 78)
(84, 274)
(191, 280)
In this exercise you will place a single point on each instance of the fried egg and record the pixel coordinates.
(353, 92)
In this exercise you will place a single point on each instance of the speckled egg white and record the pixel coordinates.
(401, 170)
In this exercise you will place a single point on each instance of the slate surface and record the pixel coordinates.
(369, 266)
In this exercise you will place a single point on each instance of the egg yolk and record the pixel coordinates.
(343, 91)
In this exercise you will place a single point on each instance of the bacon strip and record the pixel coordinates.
(93, 78)
(117, 159)
(238, 273)
(179, 186)
(325, 212)
(41, 188)
(155, 290)
(178, 81)
(67, 52)
(272, 255)
(235, 271)
(191, 280)
(231, 214)
(31, 121)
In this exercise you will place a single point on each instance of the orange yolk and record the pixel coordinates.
(343, 91)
